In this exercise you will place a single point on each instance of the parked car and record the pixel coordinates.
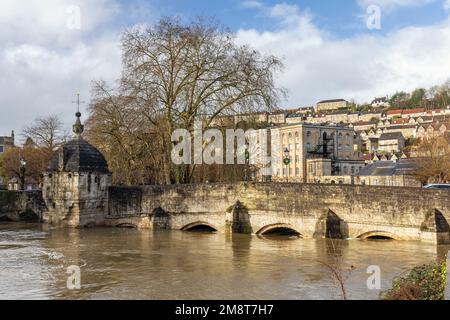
(438, 186)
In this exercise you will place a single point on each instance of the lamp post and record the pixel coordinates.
(23, 164)
(287, 162)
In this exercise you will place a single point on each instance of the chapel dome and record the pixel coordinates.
(78, 155)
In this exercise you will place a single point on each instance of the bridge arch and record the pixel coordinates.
(383, 235)
(199, 226)
(279, 228)
(126, 225)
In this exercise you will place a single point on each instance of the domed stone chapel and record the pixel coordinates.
(75, 186)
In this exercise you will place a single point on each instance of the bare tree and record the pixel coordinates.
(335, 265)
(46, 132)
(37, 160)
(175, 74)
(433, 165)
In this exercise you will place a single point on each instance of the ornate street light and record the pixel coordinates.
(287, 162)
(23, 164)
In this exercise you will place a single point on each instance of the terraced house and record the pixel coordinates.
(5, 143)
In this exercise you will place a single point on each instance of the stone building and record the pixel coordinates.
(380, 102)
(335, 104)
(314, 151)
(391, 142)
(75, 188)
(6, 143)
(388, 174)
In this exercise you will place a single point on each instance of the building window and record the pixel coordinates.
(297, 171)
(2, 149)
(345, 170)
(308, 146)
(308, 134)
(353, 170)
(347, 148)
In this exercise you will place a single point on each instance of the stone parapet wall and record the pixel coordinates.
(21, 206)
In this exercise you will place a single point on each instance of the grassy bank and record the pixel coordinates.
(426, 282)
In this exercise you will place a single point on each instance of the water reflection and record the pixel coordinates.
(133, 264)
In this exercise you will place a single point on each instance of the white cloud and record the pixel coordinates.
(252, 4)
(394, 4)
(44, 63)
(446, 4)
(318, 66)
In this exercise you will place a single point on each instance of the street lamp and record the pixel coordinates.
(287, 162)
(23, 164)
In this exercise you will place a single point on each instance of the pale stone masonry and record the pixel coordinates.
(335, 104)
(75, 188)
(315, 151)
(312, 210)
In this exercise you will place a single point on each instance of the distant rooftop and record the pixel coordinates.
(333, 100)
(391, 136)
(388, 168)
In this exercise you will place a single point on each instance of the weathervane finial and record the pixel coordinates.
(78, 128)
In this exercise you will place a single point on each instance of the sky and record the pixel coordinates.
(50, 50)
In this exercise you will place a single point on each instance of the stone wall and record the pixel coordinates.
(21, 206)
(357, 211)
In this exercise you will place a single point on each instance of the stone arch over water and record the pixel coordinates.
(379, 235)
(280, 228)
(200, 226)
(126, 225)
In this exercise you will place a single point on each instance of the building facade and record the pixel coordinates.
(392, 142)
(335, 104)
(313, 151)
(6, 143)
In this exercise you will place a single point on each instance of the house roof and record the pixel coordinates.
(412, 111)
(412, 126)
(391, 136)
(79, 156)
(388, 168)
(392, 112)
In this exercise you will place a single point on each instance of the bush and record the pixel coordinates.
(425, 282)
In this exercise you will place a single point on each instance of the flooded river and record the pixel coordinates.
(142, 264)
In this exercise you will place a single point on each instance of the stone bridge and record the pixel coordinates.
(309, 210)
